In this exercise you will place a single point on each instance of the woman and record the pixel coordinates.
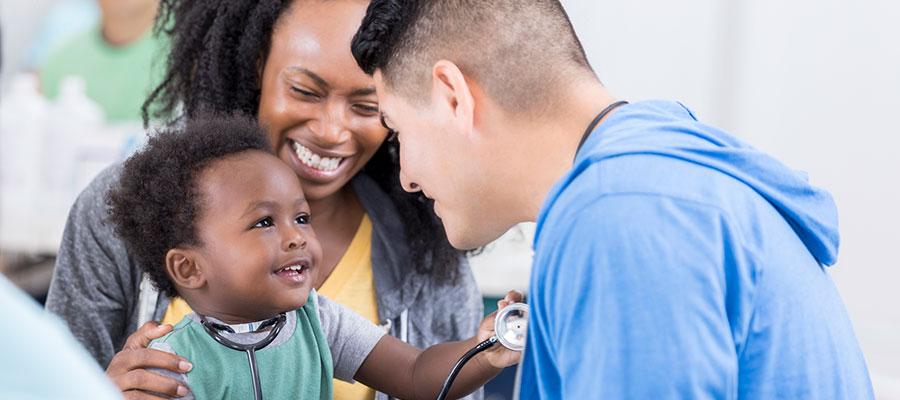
(289, 63)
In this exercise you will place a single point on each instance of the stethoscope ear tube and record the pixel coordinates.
(276, 323)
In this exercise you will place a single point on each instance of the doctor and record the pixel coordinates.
(672, 260)
(41, 359)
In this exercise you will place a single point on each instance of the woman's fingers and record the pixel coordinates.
(146, 381)
(128, 360)
(142, 337)
(129, 368)
(139, 395)
(129, 371)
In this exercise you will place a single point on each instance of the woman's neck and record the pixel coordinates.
(336, 219)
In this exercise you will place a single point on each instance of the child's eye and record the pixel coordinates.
(264, 223)
(303, 219)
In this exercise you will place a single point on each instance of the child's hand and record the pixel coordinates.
(499, 356)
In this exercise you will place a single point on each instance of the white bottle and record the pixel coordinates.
(73, 117)
(23, 116)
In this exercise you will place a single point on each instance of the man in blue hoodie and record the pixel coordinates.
(671, 259)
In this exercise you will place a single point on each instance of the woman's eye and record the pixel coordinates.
(303, 219)
(264, 223)
(365, 109)
(304, 93)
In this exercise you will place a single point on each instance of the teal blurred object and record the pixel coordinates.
(490, 304)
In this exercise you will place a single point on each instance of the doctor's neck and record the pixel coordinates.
(547, 143)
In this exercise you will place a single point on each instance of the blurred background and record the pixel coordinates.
(815, 83)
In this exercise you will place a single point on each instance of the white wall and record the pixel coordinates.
(816, 83)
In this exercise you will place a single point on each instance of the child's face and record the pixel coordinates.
(258, 252)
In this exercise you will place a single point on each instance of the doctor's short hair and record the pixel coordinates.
(155, 203)
(518, 51)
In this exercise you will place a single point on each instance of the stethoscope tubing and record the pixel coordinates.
(445, 390)
(497, 338)
(213, 330)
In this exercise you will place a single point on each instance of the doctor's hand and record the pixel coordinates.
(499, 356)
(128, 368)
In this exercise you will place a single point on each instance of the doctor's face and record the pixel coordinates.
(449, 163)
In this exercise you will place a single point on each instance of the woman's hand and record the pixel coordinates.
(499, 356)
(128, 368)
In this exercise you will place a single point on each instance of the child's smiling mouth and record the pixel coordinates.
(295, 272)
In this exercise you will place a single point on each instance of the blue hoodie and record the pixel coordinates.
(675, 261)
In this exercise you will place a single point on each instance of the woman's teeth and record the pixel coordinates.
(312, 160)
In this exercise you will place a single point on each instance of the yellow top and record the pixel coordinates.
(351, 284)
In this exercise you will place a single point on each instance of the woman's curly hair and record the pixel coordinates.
(217, 52)
(156, 201)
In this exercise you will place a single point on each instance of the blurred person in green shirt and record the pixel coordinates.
(120, 59)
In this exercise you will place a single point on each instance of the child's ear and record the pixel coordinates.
(182, 266)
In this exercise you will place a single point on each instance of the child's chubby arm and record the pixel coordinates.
(403, 371)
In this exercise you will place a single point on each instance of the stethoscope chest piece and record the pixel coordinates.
(511, 326)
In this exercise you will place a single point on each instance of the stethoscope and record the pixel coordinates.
(510, 329)
(214, 329)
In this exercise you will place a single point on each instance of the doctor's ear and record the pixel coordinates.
(184, 270)
(451, 89)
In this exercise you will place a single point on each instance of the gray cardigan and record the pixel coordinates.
(97, 287)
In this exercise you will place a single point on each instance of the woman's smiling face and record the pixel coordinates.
(319, 108)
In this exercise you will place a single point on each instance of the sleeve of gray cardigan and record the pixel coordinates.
(94, 286)
(468, 311)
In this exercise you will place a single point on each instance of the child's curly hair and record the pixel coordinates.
(156, 202)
